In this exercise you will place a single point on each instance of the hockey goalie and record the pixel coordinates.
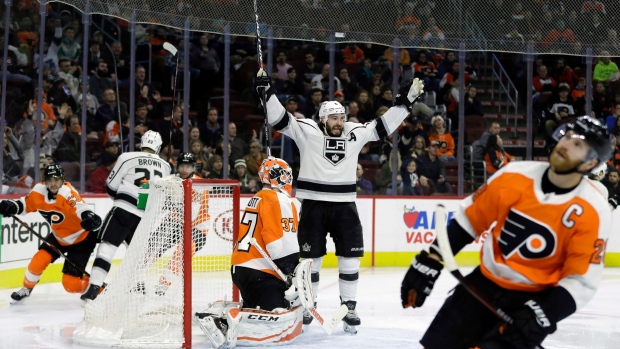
(272, 309)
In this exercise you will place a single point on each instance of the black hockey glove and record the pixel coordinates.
(613, 202)
(262, 83)
(532, 323)
(90, 221)
(419, 280)
(8, 208)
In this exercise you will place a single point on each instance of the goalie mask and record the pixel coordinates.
(151, 140)
(277, 173)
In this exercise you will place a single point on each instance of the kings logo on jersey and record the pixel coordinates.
(335, 149)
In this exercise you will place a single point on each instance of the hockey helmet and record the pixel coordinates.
(277, 173)
(186, 158)
(151, 140)
(329, 108)
(593, 132)
(54, 171)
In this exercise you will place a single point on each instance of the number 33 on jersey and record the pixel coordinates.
(271, 218)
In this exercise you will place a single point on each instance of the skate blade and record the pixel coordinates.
(17, 302)
(349, 329)
(304, 328)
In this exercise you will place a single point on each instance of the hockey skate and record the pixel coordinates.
(307, 318)
(19, 296)
(92, 292)
(213, 326)
(351, 320)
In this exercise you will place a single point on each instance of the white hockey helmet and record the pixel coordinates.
(151, 140)
(329, 108)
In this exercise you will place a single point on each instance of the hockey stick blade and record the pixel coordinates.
(450, 264)
(170, 48)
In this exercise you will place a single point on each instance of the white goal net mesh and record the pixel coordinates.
(144, 303)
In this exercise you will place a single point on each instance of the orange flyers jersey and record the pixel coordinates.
(539, 240)
(63, 214)
(271, 218)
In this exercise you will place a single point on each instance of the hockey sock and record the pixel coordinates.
(102, 264)
(349, 274)
(37, 265)
(314, 275)
(74, 284)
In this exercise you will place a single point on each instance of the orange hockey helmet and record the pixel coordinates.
(277, 173)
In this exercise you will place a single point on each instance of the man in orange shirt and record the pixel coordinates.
(73, 225)
(543, 258)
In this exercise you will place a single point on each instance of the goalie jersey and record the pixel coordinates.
(328, 164)
(271, 218)
(63, 213)
(124, 180)
(539, 239)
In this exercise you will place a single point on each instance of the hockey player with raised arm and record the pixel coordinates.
(543, 259)
(123, 219)
(326, 184)
(270, 218)
(73, 226)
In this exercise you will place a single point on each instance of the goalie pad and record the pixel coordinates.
(303, 283)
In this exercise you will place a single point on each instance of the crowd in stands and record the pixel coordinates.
(362, 83)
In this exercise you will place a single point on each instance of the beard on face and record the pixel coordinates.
(561, 164)
(334, 131)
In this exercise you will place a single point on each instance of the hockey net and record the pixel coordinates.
(150, 300)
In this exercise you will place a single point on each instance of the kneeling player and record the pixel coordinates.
(72, 223)
(271, 218)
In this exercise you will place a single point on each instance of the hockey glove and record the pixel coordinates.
(419, 280)
(613, 202)
(90, 221)
(532, 323)
(409, 92)
(263, 83)
(8, 208)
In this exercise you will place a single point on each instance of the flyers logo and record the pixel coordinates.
(52, 217)
(523, 235)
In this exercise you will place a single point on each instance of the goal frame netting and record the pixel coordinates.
(126, 316)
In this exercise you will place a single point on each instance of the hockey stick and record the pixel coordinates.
(450, 264)
(25, 225)
(328, 327)
(118, 100)
(173, 51)
(260, 65)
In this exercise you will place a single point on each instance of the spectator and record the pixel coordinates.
(168, 128)
(419, 147)
(60, 94)
(601, 101)
(366, 154)
(579, 96)
(101, 80)
(612, 182)
(543, 82)
(292, 86)
(605, 70)
(561, 110)
(196, 147)
(255, 158)
(69, 147)
(364, 73)
(165, 153)
(316, 99)
(363, 186)
(70, 74)
(425, 70)
(495, 155)
(433, 36)
(322, 81)
(67, 46)
(121, 59)
(352, 54)
(217, 167)
(592, 29)
(141, 117)
(109, 110)
(404, 60)
(386, 99)
(146, 93)
(564, 73)
(238, 145)
(339, 97)
(194, 134)
(210, 131)
(450, 84)
(480, 145)
(411, 182)
(376, 79)
(309, 70)
(208, 62)
(612, 119)
(385, 177)
(559, 35)
(472, 104)
(366, 106)
(432, 172)
(96, 182)
(171, 64)
(445, 66)
(439, 135)
(353, 111)
(349, 86)
(244, 177)
(282, 66)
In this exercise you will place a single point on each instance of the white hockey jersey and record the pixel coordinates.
(328, 164)
(124, 180)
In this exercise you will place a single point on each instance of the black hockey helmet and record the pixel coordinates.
(186, 158)
(593, 132)
(52, 171)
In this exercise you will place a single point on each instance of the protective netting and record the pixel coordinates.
(552, 26)
(143, 305)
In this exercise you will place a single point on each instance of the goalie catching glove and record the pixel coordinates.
(8, 208)
(90, 221)
(419, 280)
(409, 93)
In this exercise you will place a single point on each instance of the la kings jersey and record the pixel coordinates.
(124, 180)
(328, 164)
